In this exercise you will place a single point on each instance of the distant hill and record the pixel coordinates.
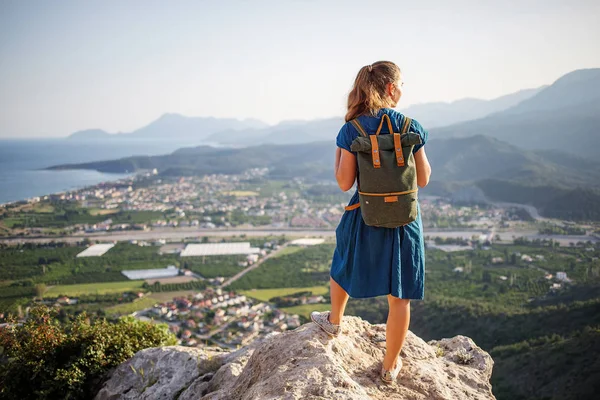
(287, 132)
(90, 134)
(466, 167)
(559, 185)
(179, 126)
(175, 127)
(285, 161)
(564, 116)
(482, 157)
(428, 114)
(577, 89)
(432, 115)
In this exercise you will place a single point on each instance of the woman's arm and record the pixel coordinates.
(423, 167)
(345, 168)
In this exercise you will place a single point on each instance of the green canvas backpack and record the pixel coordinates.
(387, 175)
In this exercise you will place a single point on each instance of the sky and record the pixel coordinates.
(68, 65)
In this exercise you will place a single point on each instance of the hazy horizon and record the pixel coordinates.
(400, 106)
(116, 66)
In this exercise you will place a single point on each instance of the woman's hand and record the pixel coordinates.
(345, 169)
(423, 167)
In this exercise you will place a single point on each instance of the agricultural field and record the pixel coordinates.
(94, 288)
(241, 193)
(102, 211)
(61, 215)
(128, 308)
(287, 250)
(306, 267)
(175, 279)
(266, 294)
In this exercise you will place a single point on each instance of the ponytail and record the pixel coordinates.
(368, 93)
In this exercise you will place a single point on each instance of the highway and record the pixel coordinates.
(174, 234)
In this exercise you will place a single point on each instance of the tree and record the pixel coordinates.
(487, 277)
(468, 267)
(40, 289)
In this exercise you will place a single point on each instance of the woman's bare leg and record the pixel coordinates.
(396, 330)
(339, 298)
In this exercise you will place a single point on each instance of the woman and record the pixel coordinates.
(371, 261)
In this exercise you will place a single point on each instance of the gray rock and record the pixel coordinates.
(305, 363)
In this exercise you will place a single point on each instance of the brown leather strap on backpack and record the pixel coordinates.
(375, 151)
(398, 141)
(374, 143)
(398, 148)
(406, 124)
(389, 124)
(359, 127)
(388, 194)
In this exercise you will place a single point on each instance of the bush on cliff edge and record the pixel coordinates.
(43, 359)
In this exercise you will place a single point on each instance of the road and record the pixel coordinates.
(251, 267)
(508, 236)
(198, 234)
(170, 233)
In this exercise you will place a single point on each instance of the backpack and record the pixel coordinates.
(388, 176)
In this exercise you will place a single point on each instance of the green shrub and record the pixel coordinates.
(439, 351)
(462, 356)
(44, 359)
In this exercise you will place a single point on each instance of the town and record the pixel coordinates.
(148, 202)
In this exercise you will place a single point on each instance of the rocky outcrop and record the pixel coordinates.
(306, 364)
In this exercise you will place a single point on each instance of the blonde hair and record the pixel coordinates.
(368, 93)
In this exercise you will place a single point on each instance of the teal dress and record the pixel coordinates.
(370, 261)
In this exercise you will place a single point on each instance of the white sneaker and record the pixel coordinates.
(322, 319)
(389, 376)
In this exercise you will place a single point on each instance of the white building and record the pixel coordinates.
(561, 276)
(153, 273)
(96, 250)
(216, 249)
(306, 242)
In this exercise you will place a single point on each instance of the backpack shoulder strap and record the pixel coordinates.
(398, 141)
(406, 124)
(359, 127)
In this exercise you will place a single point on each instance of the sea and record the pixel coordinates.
(22, 163)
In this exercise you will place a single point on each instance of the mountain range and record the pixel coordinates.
(542, 151)
(172, 126)
(433, 115)
(563, 116)
(235, 132)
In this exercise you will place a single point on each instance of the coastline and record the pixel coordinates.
(75, 188)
